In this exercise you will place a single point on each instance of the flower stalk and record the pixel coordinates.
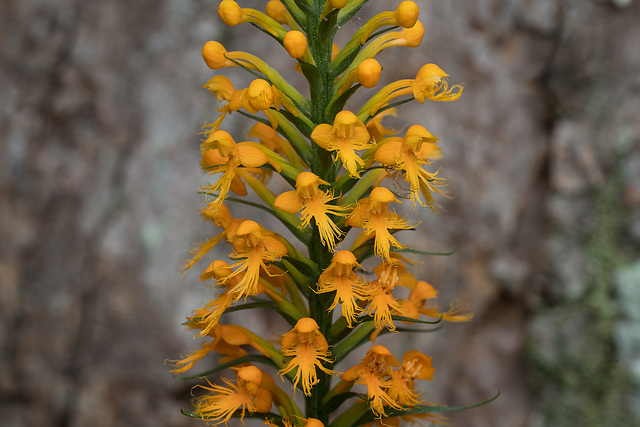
(337, 161)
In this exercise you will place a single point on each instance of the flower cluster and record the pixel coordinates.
(337, 162)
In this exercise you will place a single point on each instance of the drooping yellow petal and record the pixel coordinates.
(250, 156)
(289, 201)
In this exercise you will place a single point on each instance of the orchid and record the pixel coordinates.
(247, 395)
(307, 348)
(318, 164)
(350, 289)
(314, 204)
(376, 220)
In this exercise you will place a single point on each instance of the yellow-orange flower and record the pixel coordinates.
(430, 83)
(260, 95)
(373, 373)
(216, 57)
(345, 136)
(405, 15)
(373, 215)
(277, 11)
(227, 340)
(221, 154)
(247, 395)
(307, 348)
(408, 37)
(222, 88)
(417, 304)
(409, 154)
(232, 14)
(415, 366)
(206, 318)
(375, 128)
(349, 288)
(270, 139)
(295, 43)
(314, 203)
(390, 273)
(187, 362)
(367, 74)
(255, 247)
(220, 218)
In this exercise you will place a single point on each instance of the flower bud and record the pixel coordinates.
(338, 4)
(382, 195)
(413, 36)
(230, 12)
(213, 54)
(407, 14)
(369, 72)
(295, 43)
(260, 94)
(276, 11)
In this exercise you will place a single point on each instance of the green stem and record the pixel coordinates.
(321, 165)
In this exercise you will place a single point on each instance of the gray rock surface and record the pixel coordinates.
(100, 107)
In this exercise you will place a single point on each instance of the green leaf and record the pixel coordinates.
(262, 304)
(237, 414)
(338, 330)
(337, 104)
(410, 320)
(293, 312)
(344, 59)
(283, 217)
(349, 10)
(419, 330)
(291, 133)
(274, 78)
(357, 189)
(302, 123)
(384, 30)
(251, 358)
(386, 107)
(415, 251)
(422, 409)
(328, 27)
(335, 401)
(355, 339)
(302, 281)
(298, 10)
(305, 267)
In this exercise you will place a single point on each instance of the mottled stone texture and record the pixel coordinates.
(100, 108)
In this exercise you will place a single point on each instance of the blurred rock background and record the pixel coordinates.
(100, 108)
